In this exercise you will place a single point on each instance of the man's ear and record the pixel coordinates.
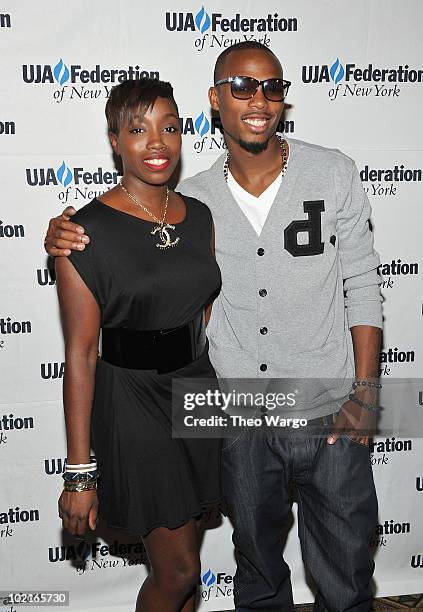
(214, 98)
(114, 142)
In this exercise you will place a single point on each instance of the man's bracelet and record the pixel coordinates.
(357, 400)
(366, 383)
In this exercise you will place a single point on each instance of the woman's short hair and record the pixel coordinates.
(132, 99)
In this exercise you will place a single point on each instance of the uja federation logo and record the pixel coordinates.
(396, 356)
(5, 20)
(11, 517)
(78, 183)
(216, 585)
(76, 82)
(219, 31)
(393, 271)
(91, 556)
(350, 80)
(205, 132)
(10, 423)
(387, 181)
(7, 127)
(208, 134)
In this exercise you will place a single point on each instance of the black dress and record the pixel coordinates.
(148, 479)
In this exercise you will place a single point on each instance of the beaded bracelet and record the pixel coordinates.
(369, 407)
(366, 383)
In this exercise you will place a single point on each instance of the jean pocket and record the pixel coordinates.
(232, 443)
(356, 442)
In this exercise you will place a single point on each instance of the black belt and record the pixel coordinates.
(163, 350)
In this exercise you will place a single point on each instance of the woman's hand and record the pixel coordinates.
(76, 509)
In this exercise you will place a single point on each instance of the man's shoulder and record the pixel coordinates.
(307, 152)
(202, 185)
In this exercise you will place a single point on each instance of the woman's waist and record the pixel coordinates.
(163, 350)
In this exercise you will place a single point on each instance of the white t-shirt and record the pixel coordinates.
(255, 209)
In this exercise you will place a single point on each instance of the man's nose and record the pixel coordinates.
(258, 100)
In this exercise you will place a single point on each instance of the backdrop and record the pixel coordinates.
(356, 75)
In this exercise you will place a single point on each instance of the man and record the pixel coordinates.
(292, 235)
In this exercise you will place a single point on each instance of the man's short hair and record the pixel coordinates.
(133, 98)
(241, 46)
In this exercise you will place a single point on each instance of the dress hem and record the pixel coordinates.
(218, 503)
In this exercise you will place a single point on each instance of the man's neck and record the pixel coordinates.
(255, 172)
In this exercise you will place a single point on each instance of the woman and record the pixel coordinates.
(145, 281)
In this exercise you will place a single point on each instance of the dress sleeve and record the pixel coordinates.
(84, 263)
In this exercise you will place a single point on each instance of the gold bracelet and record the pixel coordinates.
(79, 486)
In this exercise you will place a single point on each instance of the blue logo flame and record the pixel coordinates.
(337, 71)
(61, 72)
(209, 578)
(64, 174)
(202, 124)
(199, 18)
(83, 550)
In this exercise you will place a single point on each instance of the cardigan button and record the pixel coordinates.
(263, 331)
(260, 251)
(263, 367)
(262, 293)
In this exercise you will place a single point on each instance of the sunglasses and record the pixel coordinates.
(244, 87)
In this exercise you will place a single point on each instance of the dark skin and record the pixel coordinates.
(173, 553)
(255, 172)
(155, 135)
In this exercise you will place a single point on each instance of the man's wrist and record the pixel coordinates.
(368, 404)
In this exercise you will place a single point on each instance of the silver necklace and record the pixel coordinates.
(162, 228)
(284, 155)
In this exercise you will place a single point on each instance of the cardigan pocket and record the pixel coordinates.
(331, 360)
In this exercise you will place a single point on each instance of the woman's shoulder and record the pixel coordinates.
(196, 206)
(90, 215)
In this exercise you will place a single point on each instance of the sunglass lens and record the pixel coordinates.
(274, 89)
(244, 87)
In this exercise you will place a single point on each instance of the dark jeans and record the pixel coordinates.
(337, 512)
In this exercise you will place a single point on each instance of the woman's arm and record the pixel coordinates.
(81, 326)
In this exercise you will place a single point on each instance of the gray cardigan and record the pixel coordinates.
(316, 244)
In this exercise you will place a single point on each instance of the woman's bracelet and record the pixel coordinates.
(88, 468)
(79, 486)
(80, 476)
(357, 400)
(81, 466)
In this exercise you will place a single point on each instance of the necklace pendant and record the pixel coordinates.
(166, 241)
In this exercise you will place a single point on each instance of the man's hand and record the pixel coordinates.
(354, 421)
(63, 236)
